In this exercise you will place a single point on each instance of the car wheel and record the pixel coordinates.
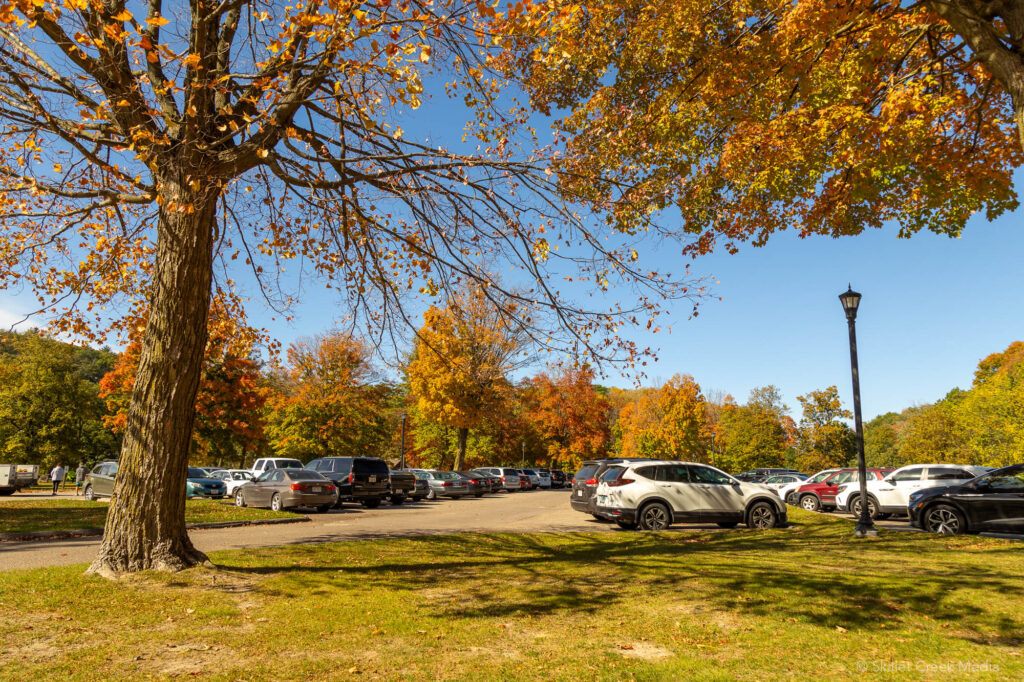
(655, 516)
(275, 503)
(791, 499)
(397, 499)
(89, 494)
(478, 494)
(626, 525)
(944, 520)
(762, 516)
(810, 503)
(239, 499)
(855, 508)
(371, 503)
(727, 524)
(431, 495)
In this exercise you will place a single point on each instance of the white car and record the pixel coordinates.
(268, 463)
(789, 490)
(780, 481)
(654, 495)
(891, 495)
(233, 478)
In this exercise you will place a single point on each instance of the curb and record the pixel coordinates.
(95, 532)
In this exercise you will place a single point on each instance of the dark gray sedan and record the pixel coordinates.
(286, 488)
(446, 484)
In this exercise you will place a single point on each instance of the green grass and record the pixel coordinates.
(806, 602)
(63, 514)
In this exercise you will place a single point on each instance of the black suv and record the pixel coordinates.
(584, 483)
(759, 475)
(359, 479)
(558, 478)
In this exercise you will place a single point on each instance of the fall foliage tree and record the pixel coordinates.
(757, 434)
(749, 118)
(569, 415)
(144, 147)
(229, 401)
(459, 370)
(824, 440)
(669, 422)
(329, 401)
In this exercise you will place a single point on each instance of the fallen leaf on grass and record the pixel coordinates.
(625, 647)
(840, 628)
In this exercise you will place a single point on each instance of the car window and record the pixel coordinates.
(585, 472)
(948, 474)
(365, 465)
(839, 478)
(699, 474)
(305, 475)
(612, 474)
(819, 477)
(276, 476)
(1013, 480)
(650, 473)
(674, 473)
(265, 476)
(908, 475)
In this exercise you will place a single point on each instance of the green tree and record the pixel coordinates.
(824, 440)
(754, 435)
(881, 441)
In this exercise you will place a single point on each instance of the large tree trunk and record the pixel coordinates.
(145, 526)
(460, 451)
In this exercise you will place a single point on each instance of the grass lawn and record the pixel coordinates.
(27, 516)
(806, 602)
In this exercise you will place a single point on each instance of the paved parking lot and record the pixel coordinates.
(523, 512)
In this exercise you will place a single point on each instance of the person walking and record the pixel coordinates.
(56, 476)
(79, 478)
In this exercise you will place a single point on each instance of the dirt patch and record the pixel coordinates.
(644, 651)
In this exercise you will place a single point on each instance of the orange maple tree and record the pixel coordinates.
(569, 416)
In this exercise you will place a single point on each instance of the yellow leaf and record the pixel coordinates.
(262, 153)
(157, 21)
(123, 16)
(57, 168)
(191, 60)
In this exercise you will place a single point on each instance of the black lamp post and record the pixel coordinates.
(404, 417)
(865, 526)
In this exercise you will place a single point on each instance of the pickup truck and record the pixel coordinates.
(14, 477)
(403, 486)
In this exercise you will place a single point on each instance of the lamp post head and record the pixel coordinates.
(850, 300)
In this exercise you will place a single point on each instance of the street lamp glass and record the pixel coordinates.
(850, 300)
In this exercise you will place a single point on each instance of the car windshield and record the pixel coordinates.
(447, 476)
(586, 472)
(820, 476)
(529, 472)
(305, 475)
(288, 464)
(196, 472)
(369, 466)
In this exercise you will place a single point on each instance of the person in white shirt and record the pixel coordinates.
(56, 476)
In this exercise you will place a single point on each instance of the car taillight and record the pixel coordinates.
(329, 488)
(502, 479)
(351, 477)
(591, 481)
(298, 486)
(445, 484)
(618, 482)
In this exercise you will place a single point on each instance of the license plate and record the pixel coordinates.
(316, 488)
(579, 493)
(373, 479)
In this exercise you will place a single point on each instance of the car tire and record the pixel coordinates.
(626, 525)
(727, 524)
(276, 504)
(89, 493)
(397, 499)
(855, 507)
(478, 494)
(944, 519)
(762, 516)
(239, 499)
(791, 499)
(810, 503)
(655, 516)
(371, 502)
(431, 495)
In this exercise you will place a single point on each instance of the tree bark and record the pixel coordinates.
(460, 451)
(145, 526)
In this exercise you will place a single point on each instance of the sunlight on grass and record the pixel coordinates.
(713, 605)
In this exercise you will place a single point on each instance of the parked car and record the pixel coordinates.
(233, 478)
(558, 478)
(401, 485)
(15, 477)
(422, 488)
(822, 495)
(446, 484)
(492, 482)
(199, 484)
(359, 479)
(544, 475)
(286, 488)
(477, 483)
(759, 475)
(779, 481)
(990, 502)
(509, 478)
(267, 463)
(100, 481)
(585, 481)
(788, 491)
(532, 477)
(654, 495)
(891, 495)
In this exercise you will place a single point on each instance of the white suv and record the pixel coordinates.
(891, 495)
(268, 463)
(653, 495)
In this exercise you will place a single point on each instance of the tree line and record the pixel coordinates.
(461, 407)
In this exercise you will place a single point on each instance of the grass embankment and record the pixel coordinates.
(28, 516)
(805, 603)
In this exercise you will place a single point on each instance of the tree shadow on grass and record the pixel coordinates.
(813, 575)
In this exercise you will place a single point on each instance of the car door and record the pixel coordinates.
(719, 499)
(893, 492)
(998, 502)
(672, 481)
(830, 486)
(258, 494)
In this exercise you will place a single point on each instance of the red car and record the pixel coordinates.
(822, 495)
